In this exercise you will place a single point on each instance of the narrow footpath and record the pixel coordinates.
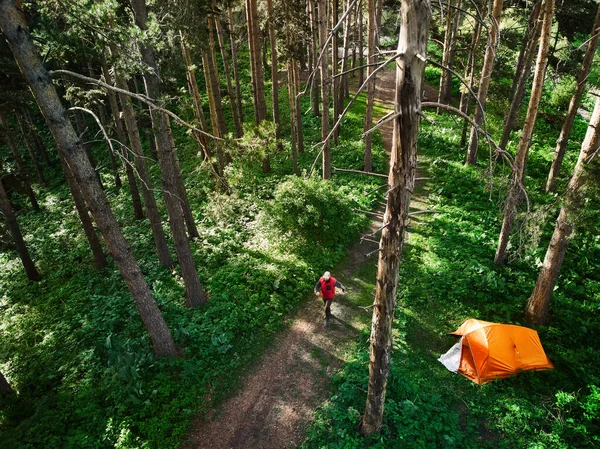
(280, 393)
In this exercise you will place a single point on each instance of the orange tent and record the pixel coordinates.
(488, 351)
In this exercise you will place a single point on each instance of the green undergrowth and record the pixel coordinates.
(73, 346)
(447, 276)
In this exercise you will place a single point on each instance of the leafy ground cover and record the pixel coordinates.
(448, 275)
(74, 347)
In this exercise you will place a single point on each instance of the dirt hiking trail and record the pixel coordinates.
(279, 394)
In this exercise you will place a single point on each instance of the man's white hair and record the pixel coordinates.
(327, 275)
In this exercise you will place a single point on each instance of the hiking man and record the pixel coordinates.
(325, 287)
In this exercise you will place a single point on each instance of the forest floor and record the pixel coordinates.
(277, 398)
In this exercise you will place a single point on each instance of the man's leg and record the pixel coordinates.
(328, 310)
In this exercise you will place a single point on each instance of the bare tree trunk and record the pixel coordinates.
(314, 27)
(292, 100)
(160, 241)
(11, 144)
(486, 75)
(220, 38)
(371, 59)
(15, 231)
(194, 293)
(465, 97)
(325, 82)
(412, 44)
(520, 161)
(537, 310)
(298, 109)
(32, 156)
(84, 216)
(138, 212)
(450, 37)
(238, 93)
(14, 27)
(258, 85)
(522, 71)
(565, 132)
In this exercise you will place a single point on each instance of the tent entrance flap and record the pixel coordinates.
(451, 359)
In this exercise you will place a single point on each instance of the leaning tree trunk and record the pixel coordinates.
(565, 132)
(274, 71)
(11, 144)
(325, 82)
(465, 96)
(138, 211)
(371, 59)
(139, 160)
(537, 310)
(412, 44)
(37, 139)
(520, 161)
(12, 23)
(522, 71)
(344, 91)
(15, 231)
(361, 49)
(194, 293)
(486, 75)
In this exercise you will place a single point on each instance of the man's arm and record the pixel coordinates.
(318, 286)
(338, 284)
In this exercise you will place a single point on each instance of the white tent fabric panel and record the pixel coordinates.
(451, 359)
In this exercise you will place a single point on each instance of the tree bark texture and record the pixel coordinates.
(138, 211)
(518, 175)
(139, 160)
(14, 28)
(371, 59)
(522, 71)
(486, 75)
(15, 231)
(344, 91)
(412, 44)
(169, 170)
(537, 310)
(565, 132)
(361, 49)
(450, 38)
(325, 83)
(215, 101)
